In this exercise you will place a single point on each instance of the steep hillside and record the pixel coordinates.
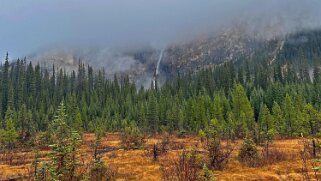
(231, 45)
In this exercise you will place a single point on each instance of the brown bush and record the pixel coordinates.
(100, 171)
(177, 146)
(311, 147)
(250, 156)
(248, 153)
(274, 155)
(186, 167)
(165, 143)
(160, 148)
(309, 151)
(218, 155)
(132, 138)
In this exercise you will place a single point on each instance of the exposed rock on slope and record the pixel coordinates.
(140, 64)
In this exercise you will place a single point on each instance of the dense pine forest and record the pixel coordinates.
(160, 90)
(246, 97)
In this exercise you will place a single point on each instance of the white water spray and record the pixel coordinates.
(156, 73)
(159, 61)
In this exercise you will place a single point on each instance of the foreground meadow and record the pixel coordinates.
(138, 164)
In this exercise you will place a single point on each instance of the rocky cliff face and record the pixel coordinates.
(210, 51)
(140, 64)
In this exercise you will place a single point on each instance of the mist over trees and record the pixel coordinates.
(235, 93)
(247, 97)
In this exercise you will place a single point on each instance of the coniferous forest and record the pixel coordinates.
(244, 97)
(52, 113)
(160, 90)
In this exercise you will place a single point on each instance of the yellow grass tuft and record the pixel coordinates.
(137, 165)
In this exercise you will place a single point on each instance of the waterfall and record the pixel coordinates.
(159, 61)
(156, 72)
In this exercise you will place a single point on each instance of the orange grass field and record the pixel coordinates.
(137, 165)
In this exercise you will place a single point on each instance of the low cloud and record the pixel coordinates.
(31, 26)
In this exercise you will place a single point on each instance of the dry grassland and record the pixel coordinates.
(138, 164)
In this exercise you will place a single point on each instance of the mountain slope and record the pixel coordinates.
(234, 44)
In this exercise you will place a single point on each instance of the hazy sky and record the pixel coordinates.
(28, 26)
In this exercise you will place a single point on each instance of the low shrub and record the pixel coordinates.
(218, 155)
(100, 171)
(274, 155)
(248, 153)
(165, 143)
(187, 167)
(132, 138)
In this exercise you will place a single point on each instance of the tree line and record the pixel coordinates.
(247, 96)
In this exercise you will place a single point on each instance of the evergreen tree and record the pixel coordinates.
(152, 114)
(242, 110)
(9, 135)
(5, 85)
(312, 119)
(267, 126)
(63, 161)
(290, 116)
(277, 114)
